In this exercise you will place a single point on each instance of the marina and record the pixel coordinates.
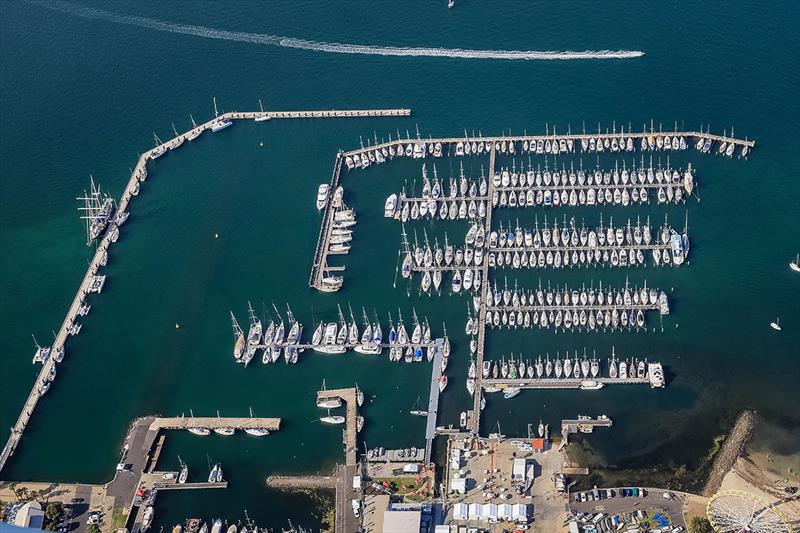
(555, 244)
(103, 223)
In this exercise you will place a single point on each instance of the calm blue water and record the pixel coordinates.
(82, 96)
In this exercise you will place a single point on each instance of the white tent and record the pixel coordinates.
(474, 511)
(460, 511)
(489, 512)
(459, 485)
(505, 511)
(520, 512)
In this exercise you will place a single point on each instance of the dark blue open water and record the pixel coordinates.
(83, 96)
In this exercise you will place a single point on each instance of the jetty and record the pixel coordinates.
(137, 178)
(351, 422)
(474, 417)
(433, 400)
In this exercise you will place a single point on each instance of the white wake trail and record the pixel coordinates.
(337, 48)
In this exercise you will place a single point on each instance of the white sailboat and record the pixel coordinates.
(263, 116)
(332, 419)
(97, 211)
(776, 325)
(256, 432)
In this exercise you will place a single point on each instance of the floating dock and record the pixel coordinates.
(474, 417)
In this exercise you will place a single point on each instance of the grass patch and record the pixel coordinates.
(411, 489)
(118, 519)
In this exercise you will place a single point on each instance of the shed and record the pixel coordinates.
(518, 470)
(538, 444)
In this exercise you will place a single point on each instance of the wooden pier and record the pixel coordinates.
(474, 418)
(138, 176)
(351, 424)
(211, 422)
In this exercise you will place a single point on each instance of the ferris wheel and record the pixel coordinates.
(735, 511)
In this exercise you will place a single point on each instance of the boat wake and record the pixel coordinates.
(336, 48)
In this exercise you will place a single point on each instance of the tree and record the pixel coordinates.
(93, 528)
(700, 524)
(53, 514)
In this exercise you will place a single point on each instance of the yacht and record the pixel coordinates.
(216, 526)
(776, 325)
(591, 384)
(147, 519)
(225, 431)
(322, 196)
(184, 473)
(390, 206)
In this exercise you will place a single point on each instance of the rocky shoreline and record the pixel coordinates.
(729, 452)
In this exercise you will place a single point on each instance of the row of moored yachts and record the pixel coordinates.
(335, 338)
(420, 148)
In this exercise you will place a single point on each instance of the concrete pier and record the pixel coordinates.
(351, 423)
(433, 400)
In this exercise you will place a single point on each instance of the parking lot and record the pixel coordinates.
(625, 505)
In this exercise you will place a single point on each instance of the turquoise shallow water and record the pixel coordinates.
(83, 96)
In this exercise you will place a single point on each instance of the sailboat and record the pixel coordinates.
(253, 336)
(332, 419)
(184, 473)
(416, 411)
(220, 123)
(795, 265)
(776, 325)
(263, 116)
(225, 431)
(359, 396)
(97, 211)
(239, 343)
(215, 476)
(256, 432)
(196, 430)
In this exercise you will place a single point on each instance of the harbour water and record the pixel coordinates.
(83, 95)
